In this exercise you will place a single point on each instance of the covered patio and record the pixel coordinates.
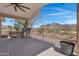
(25, 46)
(25, 12)
(21, 46)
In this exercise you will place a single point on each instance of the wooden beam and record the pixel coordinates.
(15, 17)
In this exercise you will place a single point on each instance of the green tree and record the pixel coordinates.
(50, 30)
(18, 25)
(40, 30)
(10, 27)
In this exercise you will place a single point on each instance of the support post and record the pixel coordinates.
(25, 26)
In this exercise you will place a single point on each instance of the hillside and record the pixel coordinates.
(71, 27)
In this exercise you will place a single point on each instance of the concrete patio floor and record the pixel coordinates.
(22, 47)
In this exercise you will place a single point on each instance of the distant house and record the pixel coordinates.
(6, 30)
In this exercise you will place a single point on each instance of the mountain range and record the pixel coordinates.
(60, 26)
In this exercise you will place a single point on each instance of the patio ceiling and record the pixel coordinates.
(28, 14)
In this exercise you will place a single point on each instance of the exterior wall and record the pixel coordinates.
(0, 26)
(77, 29)
(6, 29)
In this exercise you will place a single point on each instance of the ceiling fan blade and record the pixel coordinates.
(20, 8)
(23, 7)
(15, 8)
(8, 5)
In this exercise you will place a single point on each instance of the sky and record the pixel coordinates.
(57, 13)
(8, 21)
(52, 13)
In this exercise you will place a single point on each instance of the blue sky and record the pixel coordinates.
(53, 13)
(57, 13)
(8, 21)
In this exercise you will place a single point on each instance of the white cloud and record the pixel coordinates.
(62, 9)
(70, 21)
(61, 12)
(54, 8)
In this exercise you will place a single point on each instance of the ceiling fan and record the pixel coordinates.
(18, 6)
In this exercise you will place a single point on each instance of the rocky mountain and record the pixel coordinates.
(60, 26)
